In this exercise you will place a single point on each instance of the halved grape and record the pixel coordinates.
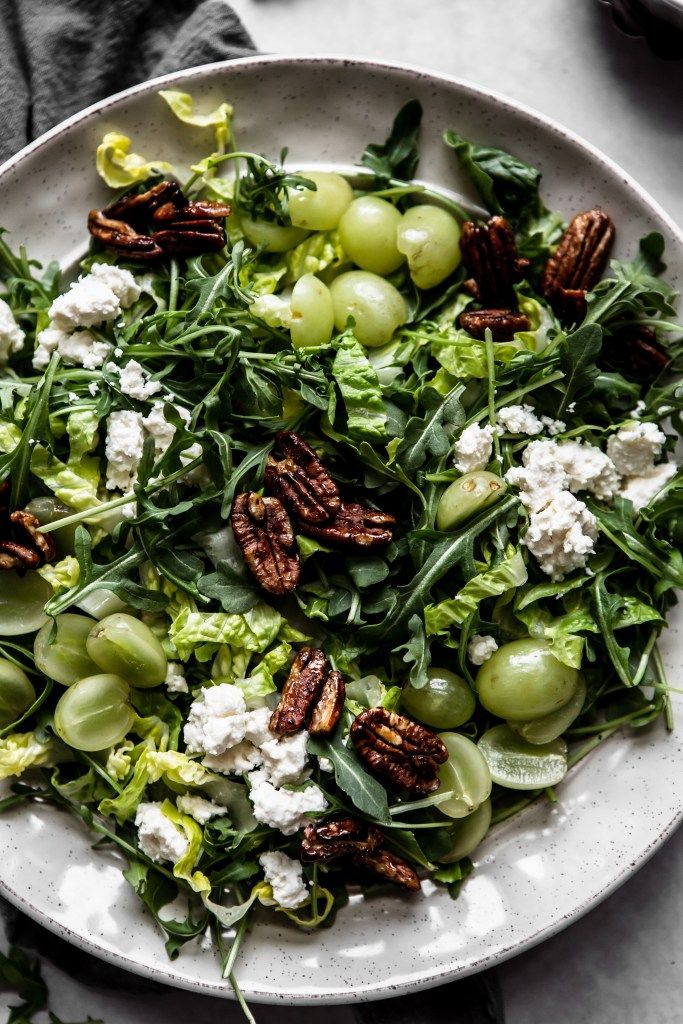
(516, 764)
(367, 232)
(444, 702)
(16, 692)
(123, 645)
(466, 496)
(312, 320)
(430, 238)
(94, 713)
(275, 237)
(548, 728)
(375, 305)
(22, 600)
(319, 210)
(64, 657)
(466, 773)
(467, 834)
(523, 680)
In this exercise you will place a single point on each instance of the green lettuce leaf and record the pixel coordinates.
(184, 867)
(508, 574)
(61, 574)
(22, 750)
(316, 253)
(220, 119)
(169, 765)
(201, 633)
(360, 390)
(506, 184)
(562, 632)
(260, 682)
(119, 167)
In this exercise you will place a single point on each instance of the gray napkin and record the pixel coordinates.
(58, 56)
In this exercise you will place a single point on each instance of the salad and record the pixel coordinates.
(338, 522)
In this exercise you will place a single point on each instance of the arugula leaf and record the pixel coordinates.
(416, 651)
(635, 290)
(397, 156)
(365, 792)
(233, 591)
(156, 892)
(577, 358)
(506, 184)
(661, 560)
(360, 390)
(432, 433)
(509, 573)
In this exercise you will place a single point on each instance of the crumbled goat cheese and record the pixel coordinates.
(122, 283)
(175, 678)
(284, 759)
(237, 761)
(11, 335)
(283, 809)
(541, 477)
(135, 380)
(642, 489)
(158, 837)
(87, 303)
(480, 648)
(520, 419)
(553, 426)
(325, 764)
(639, 409)
(198, 808)
(78, 348)
(158, 427)
(93, 388)
(217, 720)
(473, 448)
(285, 877)
(634, 448)
(123, 448)
(588, 469)
(561, 535)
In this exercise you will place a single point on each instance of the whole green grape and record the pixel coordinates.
(59, 649)
(466, 773)
(16, 692)
(523, 680)
(467, 833)
(444, 702)
(123, 645)
(465, 497)
(377, 308)
(274, 237)
(320, 210)
(312, 312)
(367, 232)
(430, 239)
(94, 713)
(22, 602)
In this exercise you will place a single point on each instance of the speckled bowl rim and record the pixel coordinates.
(427, 979)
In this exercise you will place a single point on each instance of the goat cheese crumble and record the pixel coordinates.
(175, 678)
(284, 809)
(199, 808)
(123, 448)
(473, 448)
(640, 490)
(520, 419)
(634, 448)
(285, 877)
(561, 535)
(480, 648)
(134, 380)
(158, 837)
(11, 335)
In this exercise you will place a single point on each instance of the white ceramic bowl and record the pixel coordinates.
(537, 872)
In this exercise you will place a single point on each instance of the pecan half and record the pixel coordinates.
(301, 481)
(190, 238)
(300, 692)
(139, 206)
(635, 351)
(22, 545)
(489, 253)
(194, 210)
(121, 237)
(503, 323)
(577, 264)
(263, 531)
(398, 749)
(329, 706)
(330, 840)
(389, 867)
(354, 526)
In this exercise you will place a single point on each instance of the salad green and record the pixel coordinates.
(139, 665)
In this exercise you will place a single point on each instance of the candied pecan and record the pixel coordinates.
(301, 481)
(194, 210)
(190, 238)
(503, 323)
(139, 206)
(635, 351)
(22, 545)
(399, 749)
(329, 706)
(577, 264)
(354, 526)
(302, 689)
(489, 253)
(325, 841)
(263, 531)
(389, 867)
(121, 237)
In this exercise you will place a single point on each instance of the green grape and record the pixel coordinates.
(523, 680)
(94, 713)
(367, 232)
(516, 764)
(312, 312)
(375, 305)
(122, 644)
(466, 496)
(22, 600)
(49, 510)
(16, 692)
(273, 237)
(98, 603)
(548, 728)
(430, 239)
(466, 773)
(444, 702)
(320, 210)
(467, 834)
(63, 657)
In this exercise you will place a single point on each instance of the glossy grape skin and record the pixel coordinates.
(516, 764)
(465, 497)
(65, 658)
(94, 713)
(430, 239)
(98, 603)
(47, 509)
(367, 232)
(468, 833)
(523, 680)
(16, 692)
(445, 702)
(125, 646)
(376, 306)
(275, 237)
(22, 599)
(320, 210)
(548, 728)
(466, 773)
(312, 312)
